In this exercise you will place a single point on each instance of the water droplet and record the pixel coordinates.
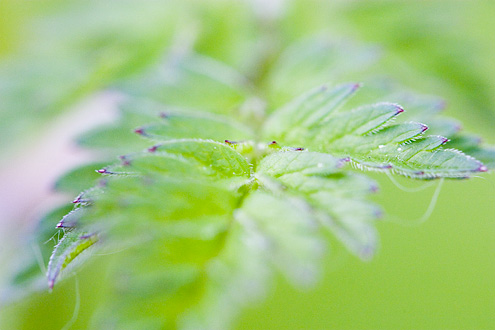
(399, 149)
(381, 146)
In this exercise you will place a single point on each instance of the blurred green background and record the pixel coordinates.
(435, 275)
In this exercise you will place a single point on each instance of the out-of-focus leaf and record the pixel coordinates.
(177, 126)
(192, 81)
(314, 61)
(80, 179)
(337, 198)
(472, 145)
(68, 248)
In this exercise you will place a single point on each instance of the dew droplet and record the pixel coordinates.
(399, 149)
(381, 146)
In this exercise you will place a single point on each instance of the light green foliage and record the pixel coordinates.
(219, 157)
(362, 135)
(196, 125)
(54, 64)
(221, 214)
(314, 61)
(79, 179)
(227, 175)
(68, 248)
(307, 163)
(29, 274)
(191, 81)
(335, 196)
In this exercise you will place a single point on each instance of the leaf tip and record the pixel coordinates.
(482, 168)
(78, 200)
(341, 162)
(367, 253)
(423, 128)
(139, 131)
(374, 188)
(355, 86)
(441, 105)
(153, 148)
(125, 160)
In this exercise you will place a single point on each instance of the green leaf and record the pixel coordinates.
(350, 220)
(191, 80)
(159, 163)
(314, 61)
(218, 156)
(80, 178)
(158, 122)
(360, 121)
(308, 109)
(120, 137)
(364, 136)
(67, 250)
(185, 227)
(195, 125)
(163, 199)
(336, 198)
(287, 231)
(71, 219)
(341, 184)
(268, 232)
(28, 273)
(472, 145)
(207, 215)
(308, 163)
(238, 276)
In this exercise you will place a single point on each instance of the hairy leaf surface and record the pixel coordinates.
(364, 136)
(67, 250)
(207, 208)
